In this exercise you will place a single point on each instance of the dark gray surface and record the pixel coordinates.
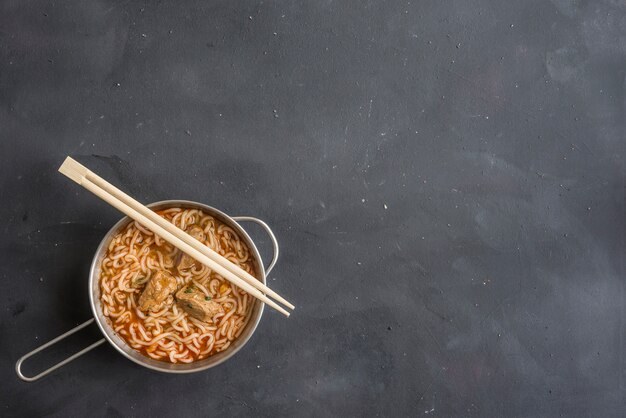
(445, 179)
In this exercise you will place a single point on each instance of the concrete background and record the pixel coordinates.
(446, 180)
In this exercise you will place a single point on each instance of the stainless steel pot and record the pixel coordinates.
(118, 343)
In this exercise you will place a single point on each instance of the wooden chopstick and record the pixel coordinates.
(81, 174)
(224, 262)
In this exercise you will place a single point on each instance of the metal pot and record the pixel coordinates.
(119, 344)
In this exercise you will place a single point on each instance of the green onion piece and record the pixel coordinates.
(188, 290)
(207, 298)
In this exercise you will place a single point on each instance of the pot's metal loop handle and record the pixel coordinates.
(18, 365)
(269, 232)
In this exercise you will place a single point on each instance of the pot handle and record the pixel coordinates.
(269, 232)
(18, 365)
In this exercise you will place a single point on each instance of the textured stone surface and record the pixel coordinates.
(445, 180)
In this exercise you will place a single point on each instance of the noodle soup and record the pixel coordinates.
(166, 305)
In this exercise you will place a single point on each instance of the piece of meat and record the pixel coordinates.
(197, 304)
(187, 261)
(160, 286)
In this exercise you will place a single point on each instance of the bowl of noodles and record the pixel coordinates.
(162, 309)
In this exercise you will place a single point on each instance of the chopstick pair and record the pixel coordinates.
(171, 233)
